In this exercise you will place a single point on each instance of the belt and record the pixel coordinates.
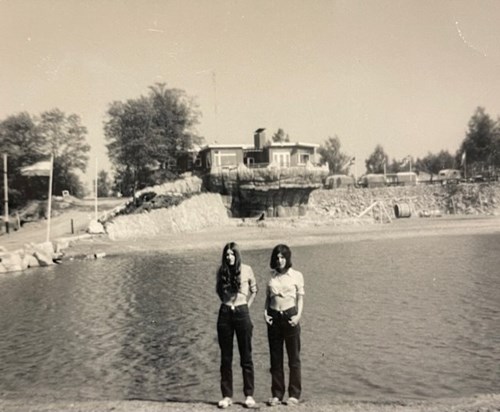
(287, 312)
(234, 308)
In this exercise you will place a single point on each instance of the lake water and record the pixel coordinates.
(384, 320)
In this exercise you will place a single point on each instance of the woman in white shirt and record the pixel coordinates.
(283, 310)
(236, 288)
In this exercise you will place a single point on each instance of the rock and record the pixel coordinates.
(43, 258)
(95, 228)
(12, 262)
(30, 261)
(46, 248)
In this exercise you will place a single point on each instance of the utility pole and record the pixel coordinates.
(96, 174)
(214, 80)
(6, 193)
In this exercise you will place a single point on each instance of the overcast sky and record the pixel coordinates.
(404, 74)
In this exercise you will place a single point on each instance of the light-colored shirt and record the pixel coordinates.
(286, 285)
(248, 282)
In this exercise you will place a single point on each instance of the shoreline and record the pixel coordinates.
(294, 232)
(479, 403)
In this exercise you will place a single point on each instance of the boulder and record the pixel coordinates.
(43, 258)
(95, 228)
(30, 261)
(12, 262)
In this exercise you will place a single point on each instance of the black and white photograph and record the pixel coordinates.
(250, 204)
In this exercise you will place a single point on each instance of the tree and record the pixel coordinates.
(27, 139)
(338, 162)
(376, 161)
(64, 138)
(480, 142)
(103, 184)
(433, 163)
(21, 141)
(146, 136)
(280, 136)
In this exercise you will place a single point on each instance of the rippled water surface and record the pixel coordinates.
(387, 319)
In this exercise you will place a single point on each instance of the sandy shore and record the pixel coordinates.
(251, 235)
(294, 232)
(482, 403)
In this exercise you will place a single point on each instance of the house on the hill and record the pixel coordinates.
(262, 154)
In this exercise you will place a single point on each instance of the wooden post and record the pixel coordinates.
(49, 207)
(6, 193)
(96, 215)
(72, 228)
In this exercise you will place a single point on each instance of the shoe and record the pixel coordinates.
(273, 402)
(224, 403)
(250, 402)
(292, 401)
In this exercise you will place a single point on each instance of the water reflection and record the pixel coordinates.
(392, 319)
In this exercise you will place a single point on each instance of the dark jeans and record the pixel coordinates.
(279, 333)
(237, 320)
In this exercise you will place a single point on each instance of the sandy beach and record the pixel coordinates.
(481, 403)
(253, 235)
(295, 232)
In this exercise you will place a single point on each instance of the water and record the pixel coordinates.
(384, 320)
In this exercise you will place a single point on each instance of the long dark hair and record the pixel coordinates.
(229, 277)
(285, 251)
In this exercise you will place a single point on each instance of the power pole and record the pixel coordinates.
(214, 80)
(6, 193)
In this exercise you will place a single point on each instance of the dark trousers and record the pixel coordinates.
(231, 321)
(280, 334)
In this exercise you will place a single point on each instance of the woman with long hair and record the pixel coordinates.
(283, 310)
(236, 288)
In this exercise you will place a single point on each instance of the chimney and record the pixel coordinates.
(259, 138)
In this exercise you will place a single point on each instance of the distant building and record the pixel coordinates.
(339, 182)
(262, 154)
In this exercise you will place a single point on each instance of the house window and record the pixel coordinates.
(282, 159)
(304, 158)
(197, 162)
(250, 161)
(225, 159)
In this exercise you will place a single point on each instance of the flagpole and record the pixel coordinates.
(6, 193)
(96, 188)
(49, 207)
(465, 165)
(355, 171)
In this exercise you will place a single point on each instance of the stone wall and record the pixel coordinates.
(423, 200)
(197, 212)
(274, 191)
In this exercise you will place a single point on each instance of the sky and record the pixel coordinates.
(407, 75)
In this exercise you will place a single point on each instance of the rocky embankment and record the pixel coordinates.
(274, 191)
(197, 212)
(31, 255)
(421, 201)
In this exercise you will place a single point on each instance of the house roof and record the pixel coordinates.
(293, 144)
(227, 146)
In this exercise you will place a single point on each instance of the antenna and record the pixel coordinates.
(214, 81)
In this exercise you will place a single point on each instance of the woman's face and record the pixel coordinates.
(230, 258)
(281, 261)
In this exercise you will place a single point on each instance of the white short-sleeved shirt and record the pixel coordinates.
(288, 284)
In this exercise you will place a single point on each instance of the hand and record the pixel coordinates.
(267, 318)
(294, 320)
